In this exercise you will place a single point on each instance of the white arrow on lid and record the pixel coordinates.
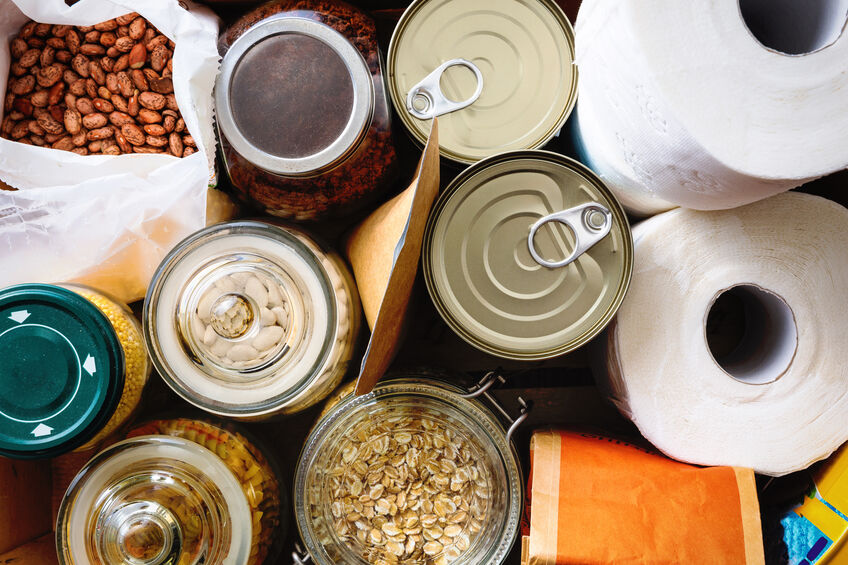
(89, 365)
(42, 430)
(19, 316)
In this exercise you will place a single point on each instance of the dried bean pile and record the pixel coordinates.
(101, 89)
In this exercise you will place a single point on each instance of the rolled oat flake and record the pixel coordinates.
(527, 255)
(500, 74)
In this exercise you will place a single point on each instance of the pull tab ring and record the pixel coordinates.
(590, 223)
(429, 92)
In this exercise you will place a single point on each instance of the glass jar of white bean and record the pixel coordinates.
(249, 319)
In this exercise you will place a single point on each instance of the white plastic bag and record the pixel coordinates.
(107, 221)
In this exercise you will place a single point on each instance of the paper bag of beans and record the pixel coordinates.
(106, 137)
(597, 500)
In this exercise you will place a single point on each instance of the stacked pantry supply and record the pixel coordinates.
(714, 332)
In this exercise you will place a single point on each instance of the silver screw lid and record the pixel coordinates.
(294, 96)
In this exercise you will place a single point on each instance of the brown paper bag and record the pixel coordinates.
(598, 500)
(384, 251)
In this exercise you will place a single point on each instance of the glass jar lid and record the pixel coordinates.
(62, 370)
(413, 473)
(240, 318)
(294, 96)
(154, 500)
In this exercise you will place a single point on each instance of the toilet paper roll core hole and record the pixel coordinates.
(795, 27)
(751, 333)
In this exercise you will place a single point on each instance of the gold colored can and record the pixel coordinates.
(500, 74)
(527, 255)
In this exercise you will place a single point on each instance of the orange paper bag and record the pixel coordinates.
(598, 500)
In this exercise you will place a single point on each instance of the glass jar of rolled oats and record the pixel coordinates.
(178, 492)
(249, 319)
(418, 472)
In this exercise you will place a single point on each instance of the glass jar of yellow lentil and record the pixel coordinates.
(74, 366)
(177, 492)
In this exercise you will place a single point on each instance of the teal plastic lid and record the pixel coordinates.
(61, 371)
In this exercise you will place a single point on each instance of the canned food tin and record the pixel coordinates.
(248, 319)
(499, 73)
(72, 369)
(527, 255)
(417, 472)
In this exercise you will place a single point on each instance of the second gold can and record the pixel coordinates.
(527, 255)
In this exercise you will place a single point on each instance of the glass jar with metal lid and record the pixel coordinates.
(527, 255)
(177, 492)
(500, 74)
(73, 369)
(304, 120)
(249, 319)
(420, 471)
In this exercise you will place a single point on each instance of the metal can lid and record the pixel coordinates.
(298, 77)
(524, 50)
(495, 252)
(62, 372)
(240, 318)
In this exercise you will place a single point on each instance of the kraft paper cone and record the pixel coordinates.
(596, 500)
(384, 251)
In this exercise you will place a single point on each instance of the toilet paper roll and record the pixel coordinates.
(711, 104)
(729, 348)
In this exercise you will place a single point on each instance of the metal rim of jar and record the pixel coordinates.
(151, 303)
(399, 98)
(442, 305)
(361, 112)
(435, 387)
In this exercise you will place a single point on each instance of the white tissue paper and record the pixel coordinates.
(770, 389)
(107, 221)
(680, 104)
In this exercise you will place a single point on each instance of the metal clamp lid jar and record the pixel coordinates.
(417, 472)
(190, 492)
(249, 319)
(301, 107)
(500, 74)
(72, 371)
(527, 255)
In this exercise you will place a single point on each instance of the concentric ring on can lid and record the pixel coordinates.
(524, 50)
(483, 278)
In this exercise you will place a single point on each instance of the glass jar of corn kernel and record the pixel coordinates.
(74, 366)
(418, 472)
(176, 492)
(250, 320)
